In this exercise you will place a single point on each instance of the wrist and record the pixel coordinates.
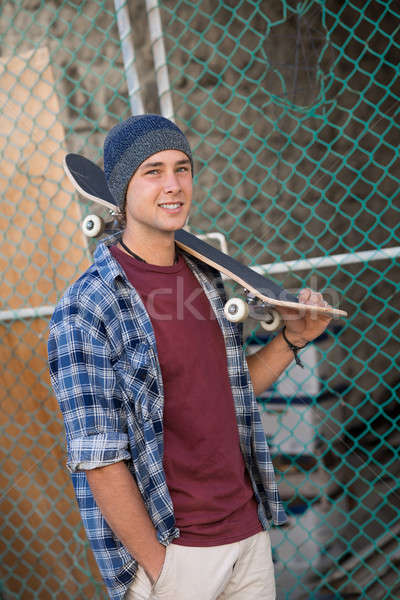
(294, 339)
(294, 348)
(154, 569)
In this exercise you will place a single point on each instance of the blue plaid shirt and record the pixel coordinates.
(107, 378)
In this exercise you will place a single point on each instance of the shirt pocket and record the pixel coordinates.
(137, 376)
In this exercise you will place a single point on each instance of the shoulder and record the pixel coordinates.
(200, 267)
(207, 274)
(85, 302)
(102, 307)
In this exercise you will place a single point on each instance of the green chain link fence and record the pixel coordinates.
(292, 109)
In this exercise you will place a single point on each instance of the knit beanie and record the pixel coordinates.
(131, 142)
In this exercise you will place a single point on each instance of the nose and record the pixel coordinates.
(171, 183)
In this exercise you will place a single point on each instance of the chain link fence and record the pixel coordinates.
(292, 110)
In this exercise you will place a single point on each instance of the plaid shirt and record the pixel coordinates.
(107, 379)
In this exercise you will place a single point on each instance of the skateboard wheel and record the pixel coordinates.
(272, 322)
(92, 225)
(236, 310)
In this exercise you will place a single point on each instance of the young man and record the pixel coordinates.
(166, 448)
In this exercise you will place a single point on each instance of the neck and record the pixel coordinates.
(157, 250)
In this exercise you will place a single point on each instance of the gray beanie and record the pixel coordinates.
(131, 142)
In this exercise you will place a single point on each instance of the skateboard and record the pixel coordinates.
(262, 297)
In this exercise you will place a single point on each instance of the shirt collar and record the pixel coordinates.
(108, 268)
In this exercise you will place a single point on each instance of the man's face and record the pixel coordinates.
(159, 195)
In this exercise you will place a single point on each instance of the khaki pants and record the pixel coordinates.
(239, 571)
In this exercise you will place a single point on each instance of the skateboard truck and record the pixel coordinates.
(237, 310)
(93, 225)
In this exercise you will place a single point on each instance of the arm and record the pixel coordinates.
(122, 506)
(84, 381)
(267, 364)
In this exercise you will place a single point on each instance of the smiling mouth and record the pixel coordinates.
(171, 205)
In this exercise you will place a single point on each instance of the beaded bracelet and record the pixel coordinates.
(294, 349)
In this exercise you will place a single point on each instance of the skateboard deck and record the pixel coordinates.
(261, 293)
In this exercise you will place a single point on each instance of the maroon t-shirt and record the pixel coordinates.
(211, 492)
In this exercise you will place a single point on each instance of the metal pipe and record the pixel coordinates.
(215, 235)
(329, 261)
(26, 313)
(160, 59)
(128, 56)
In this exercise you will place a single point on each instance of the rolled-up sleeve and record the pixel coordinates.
(100, 450)
(89, 397)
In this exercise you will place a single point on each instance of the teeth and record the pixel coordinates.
(177, 205)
